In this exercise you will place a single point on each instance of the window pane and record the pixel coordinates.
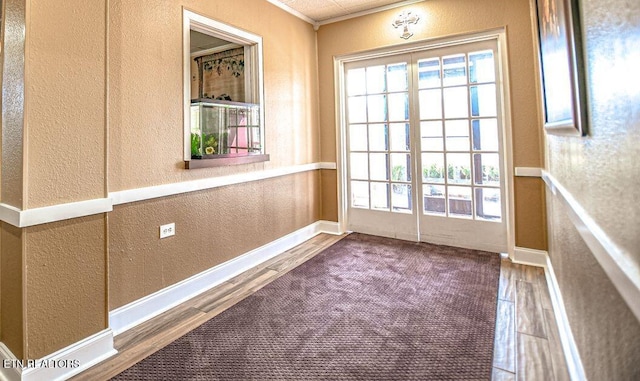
(430, 104)
(378, 137)
(400, 140)
(460, 202)
(359, 166)
(485, 134)
(487, 169)
(356, 82)
(375, 79)
(400, 167)
(360, 194)
(433, 168)
(458, 168)
(456, 102)
(380, 196)
(398, 107)
(429, 73)
(401, 198)
(481, 67)
(397, 77)
(377, 108)
(488, 204)
(358, 137)
(457, 135)
(483, 100)
(455, 70)
(433, 198)
(379, 166)
(357, 109)
(431, 133)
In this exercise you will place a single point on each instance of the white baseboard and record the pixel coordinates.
(574, 364)
(141, 310)
(8, 372)
(59, 365)
(531, 257)
(540, 258)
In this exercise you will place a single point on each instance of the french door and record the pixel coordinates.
(424, 146)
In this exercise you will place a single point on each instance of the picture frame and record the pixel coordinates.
(561, 67)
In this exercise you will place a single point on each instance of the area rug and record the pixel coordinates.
(366, 308)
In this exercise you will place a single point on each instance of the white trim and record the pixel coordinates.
(147, 193)
(507, 137)
(623, 272)
(292, 11)
(500, 36)
(141, 310)
(531, 257)
(36, 216)
(329, 227)
(83, 355)
(528, 172)
(254, 66)
(569, 348)
(217, 49)
(10, 214)
(8, 373)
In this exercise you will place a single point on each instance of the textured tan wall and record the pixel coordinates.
(531, 229)
(601, 170)
(606, 332)
(79, 90)
(329, 195)
(65, 283)
(13, 35)
(11, 316)
(601, 173)
(445, 18)
(65, 101)
(212, 227)
(145, 57)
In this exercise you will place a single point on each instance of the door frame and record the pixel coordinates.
(503, 86)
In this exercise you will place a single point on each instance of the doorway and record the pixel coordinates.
(423, 150)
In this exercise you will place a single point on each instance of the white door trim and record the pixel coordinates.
(338, 66)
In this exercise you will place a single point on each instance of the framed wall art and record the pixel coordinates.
(561, 67)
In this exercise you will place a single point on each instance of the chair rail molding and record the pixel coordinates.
(60, 212)
(623, 272)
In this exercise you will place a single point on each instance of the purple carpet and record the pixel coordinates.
(366, 308)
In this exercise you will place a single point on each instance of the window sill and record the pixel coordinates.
(225, 160)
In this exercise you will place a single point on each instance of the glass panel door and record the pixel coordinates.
(424, 147)
(461, 182)
(380, 163)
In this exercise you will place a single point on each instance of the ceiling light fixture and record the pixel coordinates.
(404, 19)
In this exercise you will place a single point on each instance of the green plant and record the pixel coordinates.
(433, 172)
(210, 143)
(398, 173)
(196, 150)
(464, 173)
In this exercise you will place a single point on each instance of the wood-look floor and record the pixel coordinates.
(527, 346)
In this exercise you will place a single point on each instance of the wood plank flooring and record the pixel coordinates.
(526, 342)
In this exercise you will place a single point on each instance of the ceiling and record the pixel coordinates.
(316, 12)
(324, 10)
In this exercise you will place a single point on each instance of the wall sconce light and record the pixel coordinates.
(404, 19)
